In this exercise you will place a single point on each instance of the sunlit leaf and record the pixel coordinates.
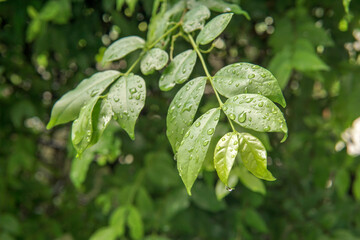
(255, 112)
(123, 47)
(213, 28)
(178, 71)
(225, 154)
(127, 98)
(248, 78)
(155, 59)
(253, 156)
(182, 110)
(67, 108)
(193, 148)
(195, 18)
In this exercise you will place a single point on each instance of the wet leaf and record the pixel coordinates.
(182, 110)
(155, 59)
(122, 47)
(213, 28)
(195, 18)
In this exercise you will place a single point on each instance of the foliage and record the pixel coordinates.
(216, 124)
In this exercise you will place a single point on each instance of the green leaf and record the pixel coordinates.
(193, 148)
(205, 198)
(248, 78)
(222, 6)
(118, 220)
(281, 66)
(255, 112)
(305, 58)
(135, 224)
(68, 106)
(105, 233)
(250, 181)
(356, 185)
(122, 47)
(155, 59)
(182, 110)
(82, 127)
(101, 116)
(195, 18)
(225, 154)
(79, 168)
(221, 190)
(178, 70)
(254, 220)
(213, 28)
(253, 156)
(131, 4)
(342, 182)
(127, 98)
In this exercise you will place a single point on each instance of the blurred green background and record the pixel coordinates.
(48, 47)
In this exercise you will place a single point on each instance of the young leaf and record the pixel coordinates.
(193, 148)
(255, 112)
(253, 155)
(68, 106)
(248, 78)
(82, 128)
(135, 224)
(127, 98)
(182, 110)
(224, 156)
(155, 59)
(118, 220)
(122, 47)
(195, 18)
(250, 181)
(213, 28)
(222, 6)
(178, 70)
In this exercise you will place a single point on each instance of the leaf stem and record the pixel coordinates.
(197, 50)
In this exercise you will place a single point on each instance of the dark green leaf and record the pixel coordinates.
(127, 98)
(193, 148)
(155, 59)
(79, 168)
(255, 112)
(281, 66)
(135, 224)
(178, 70)
(253, 156)
(214, 28)
(250, 181)
(248, 78)
(254, 220)
(222, 6)
(195, 18)
(122, 47)
(356, 185)
(182, 110)
(305, 58)
(224, 156)
(82, 128)
(68, 106)
(118, 220)
(205, 198)
(342, 182)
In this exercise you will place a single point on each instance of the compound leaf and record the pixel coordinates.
(225, 154)
(127, 98)
(155, 59)
(213, 28)
(193, 148)
(195, 18)
(68, 106)
(182, 110)
(122, 47)
(255, 112)
(178, 70)
(248, 78)
(253, 156)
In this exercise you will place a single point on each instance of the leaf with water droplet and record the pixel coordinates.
(82, 127)
(224, 155)
(253, 156)
(67, 108)
(101, 116)
(264, 118)
(195, 18)
(247, 79)
(131, 100)
(174, 73)
(189, 163)
(179, 119)
(122, 47)
(154, 59)
(213, 28)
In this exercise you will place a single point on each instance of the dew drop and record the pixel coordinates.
(267, 128)
(242, 117)
(206, 142)
(229, 188)
(260, 104)
(210, 131)
(197, 124)
(116, 99)
(263, 75)
(94, 92)
(251, 76)
(225, 108)
(133, 90)
(232, 116)
(236, 98)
